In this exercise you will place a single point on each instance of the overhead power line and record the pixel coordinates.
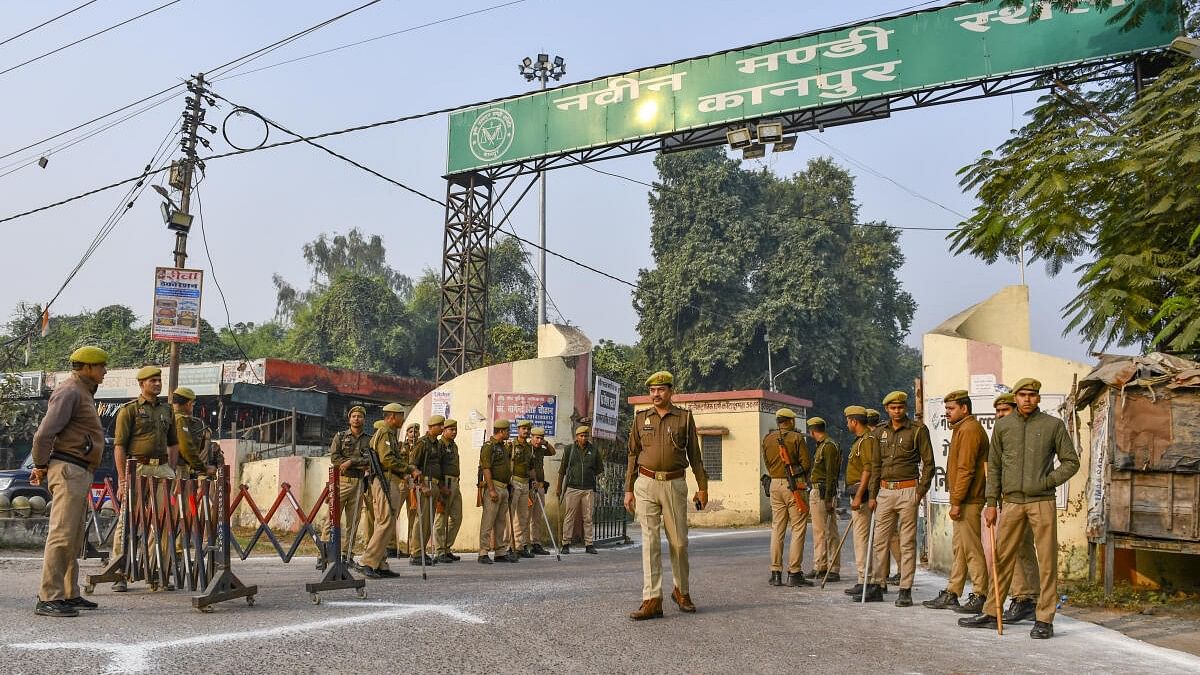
(45, 23)
(89, 37)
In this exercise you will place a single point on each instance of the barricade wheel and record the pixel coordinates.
(250, 600)
(361, 592)
(153, 586)
(88, 589)
(315, 597)
(208, 609)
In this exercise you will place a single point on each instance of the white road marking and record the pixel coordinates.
(136, 657)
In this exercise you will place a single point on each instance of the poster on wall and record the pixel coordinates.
(940, 432)
(440, 403)
(537, 408)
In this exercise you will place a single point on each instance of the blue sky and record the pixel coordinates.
(260, 208)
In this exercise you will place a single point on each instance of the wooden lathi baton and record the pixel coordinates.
(996, 581)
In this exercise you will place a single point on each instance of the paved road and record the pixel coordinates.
(537, 615)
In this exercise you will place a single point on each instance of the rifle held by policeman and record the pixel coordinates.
(795, 479)
(380, 475)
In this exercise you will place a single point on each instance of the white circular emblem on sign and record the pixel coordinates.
(492, 134)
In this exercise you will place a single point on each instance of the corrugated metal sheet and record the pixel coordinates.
(312, 403)
(352, 383)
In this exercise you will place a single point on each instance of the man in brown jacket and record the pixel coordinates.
(66, 450)
(966, 479)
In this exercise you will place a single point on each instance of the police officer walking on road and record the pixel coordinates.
(785, 514)
(662, 444)
(1022, 476)
(66, 450)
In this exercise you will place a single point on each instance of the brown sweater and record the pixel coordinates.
(71, 426)
(966, 475)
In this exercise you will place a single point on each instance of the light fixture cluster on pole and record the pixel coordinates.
(753, 140)
(542, 70)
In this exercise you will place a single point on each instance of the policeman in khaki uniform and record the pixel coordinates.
(145, 432)
(662, 444)
(876, 428)
(1022, 606)
(519, 484)
(397, 470)
(965, 481)
(858, 477)
(827, 465)
(427, 456)
(450, 518)
(348, 451)
(66, 451)
(1022, 475)
(582, 466)
(495, 468)
(541, 450)
(785, 514)
(193, 436)
(901, 475)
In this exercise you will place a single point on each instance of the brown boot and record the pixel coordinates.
(650, 609)
(684, 601)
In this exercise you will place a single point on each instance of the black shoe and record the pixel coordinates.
(416, 560)
(445, 558)
(55, 608)
(894, 579)
(978, 621)
(590, 549)
(539, 550)
(814, 574)
(874, 593)
(944, 600)
(856, 589)
(1020, 610)
(833, 576)
(386, 573)
(81, 603)
(776, 579)
(484, 560)
(120, 586)
(973, 605)
(453, 557)
(526, 553)
(1042, 630)
(565, 549)
(391, 552)
(371, 573)
(797, 579)
(513, 557)
(400, 555)
(904, 599)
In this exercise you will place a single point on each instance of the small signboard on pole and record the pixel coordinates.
(605, 408)
(176, 313)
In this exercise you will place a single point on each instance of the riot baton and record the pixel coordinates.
(996, 581)
(431, 538)
(837, 555)
(870, 557)
(420, 527)
(549, 530)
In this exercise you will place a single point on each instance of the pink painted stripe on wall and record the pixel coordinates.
(984, 358)
(499, 379)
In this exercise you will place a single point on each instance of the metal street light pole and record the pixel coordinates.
(542, 70)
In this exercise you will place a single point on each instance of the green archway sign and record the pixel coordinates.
(958, 43)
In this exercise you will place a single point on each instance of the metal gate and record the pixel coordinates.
(609, 517)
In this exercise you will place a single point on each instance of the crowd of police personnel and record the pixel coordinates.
(1006, 481)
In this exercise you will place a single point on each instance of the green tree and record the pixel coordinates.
(263, 340)
(625, 365)
(1130, 15)
(110, 328)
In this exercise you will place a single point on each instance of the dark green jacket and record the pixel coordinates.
(827, 461)
(581, 466)
(1021, 458)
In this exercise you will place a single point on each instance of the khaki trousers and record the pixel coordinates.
(155, 471)
(420, 524)
(577, 502)
(537, 517)
(662, 505)
(860, 523)
(349, 498)
(1015, 521)
(401, 526)
(450, 519)
(825, 535)
(894, 506)
(69, 487)
(519, 500)
(495, 521)
(893, 552)
(967, 545)
(1025, 572)
(784, 514)
(375, 554)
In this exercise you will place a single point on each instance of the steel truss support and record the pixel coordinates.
(466, 243)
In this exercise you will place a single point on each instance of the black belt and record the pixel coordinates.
(69, 459)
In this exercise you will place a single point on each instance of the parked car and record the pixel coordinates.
(15, 483)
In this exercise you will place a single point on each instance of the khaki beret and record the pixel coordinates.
(524, 423)
(1005, 399)
(185, 392)
(434, 421)
(450, 423)
(538, 431)
(1027, 383)
(500, 424)
(854, 410)
(379, 424)
(89, 356)
(660, 378)
(582, 430)
(356, 409)
(148, 372)
(816, 422)
(958, 395)
(785, 413)
(393, 408)
(895, 397)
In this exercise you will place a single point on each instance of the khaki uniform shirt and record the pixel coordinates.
(392, 456)
(539, 456)
(966, 477)
(827, 463)
(426, 456)
(494, 455)
(522, 460)
(347, 446)
(797, 451)
(145, 428)
(665, 443)
(192, 437)
(71, 426)
(900, 452)
(862, 456)
(450, 460)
